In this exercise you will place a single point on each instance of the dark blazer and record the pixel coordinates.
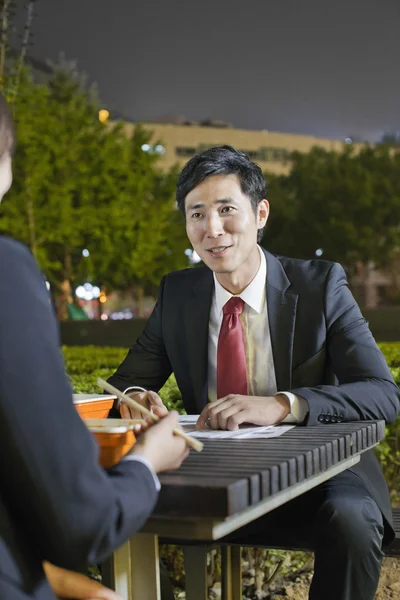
(322, 347)
(56, 503)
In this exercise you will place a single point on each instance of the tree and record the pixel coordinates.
(80, 184)
(139, 231)
(346, 204)
(59, 143)
(391, 139)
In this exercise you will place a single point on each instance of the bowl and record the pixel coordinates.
(93, 406)
(115, 438)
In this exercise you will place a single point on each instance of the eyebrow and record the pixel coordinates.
(201, 204)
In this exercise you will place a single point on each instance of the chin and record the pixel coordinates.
(220, 268)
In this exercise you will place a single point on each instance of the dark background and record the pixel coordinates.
(298, 66)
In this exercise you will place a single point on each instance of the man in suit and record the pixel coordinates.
(56, 504)
(256, 338)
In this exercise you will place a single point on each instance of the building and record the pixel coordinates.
(176, 142)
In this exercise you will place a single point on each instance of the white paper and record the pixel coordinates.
(244, 432)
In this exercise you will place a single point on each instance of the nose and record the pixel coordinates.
(214, 227)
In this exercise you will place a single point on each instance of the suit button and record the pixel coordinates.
(321, 418)
(334, 419)
(327, 419)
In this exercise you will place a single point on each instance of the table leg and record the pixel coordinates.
(196, 572)
(144, 567)
(231, 572)
(117, 571)
(107, 573)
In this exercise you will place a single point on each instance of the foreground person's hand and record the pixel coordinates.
(149, 399)
(233, 410)
(160, 446)
(74, 586)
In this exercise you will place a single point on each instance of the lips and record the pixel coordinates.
(218, 250)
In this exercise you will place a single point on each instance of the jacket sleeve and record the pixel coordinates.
(366, 389)
(147, 363)
(71, 511)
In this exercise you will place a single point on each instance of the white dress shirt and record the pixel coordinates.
(259, 356)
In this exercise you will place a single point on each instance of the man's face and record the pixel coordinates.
(222, 227)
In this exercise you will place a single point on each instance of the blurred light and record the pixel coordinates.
(48, 285)
(159, 149)
(87, 291)
(80, 291)
(85, 252)
(146, 147)
(348, 140)
(194, 258)
(103, 297)
(104, 115)
(117, 316)
(319, 252)
(104, 317)
(188, 252)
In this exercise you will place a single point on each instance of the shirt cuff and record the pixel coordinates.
(147, 463)
(298, 408)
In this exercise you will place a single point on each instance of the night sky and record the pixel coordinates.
(327, 68)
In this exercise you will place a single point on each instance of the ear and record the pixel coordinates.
(262, 213)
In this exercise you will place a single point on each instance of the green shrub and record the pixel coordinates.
(388, 450)
(391, 350)
(84, 364)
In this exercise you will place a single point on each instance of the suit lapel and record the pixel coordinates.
(196, 324)
(281, 305)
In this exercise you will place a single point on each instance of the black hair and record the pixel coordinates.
(223, 160)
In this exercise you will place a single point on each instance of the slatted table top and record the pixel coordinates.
(232, 477)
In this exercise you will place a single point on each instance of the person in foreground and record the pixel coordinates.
(262, 339)
(58, 509)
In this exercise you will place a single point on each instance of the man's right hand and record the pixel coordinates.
(150, 400)
(160, 446)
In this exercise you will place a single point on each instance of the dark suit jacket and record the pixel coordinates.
(56, 503)
(322, 347)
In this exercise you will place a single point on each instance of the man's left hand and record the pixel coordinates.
(233, 410)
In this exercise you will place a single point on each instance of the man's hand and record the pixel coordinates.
(233, 410)
(150, 400)
(68, 584)
(160, 446)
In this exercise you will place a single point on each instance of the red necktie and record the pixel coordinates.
(231, 353)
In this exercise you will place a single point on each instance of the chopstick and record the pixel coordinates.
(195, 444)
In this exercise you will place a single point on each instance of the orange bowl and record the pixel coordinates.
(93, 406)
(115, 438)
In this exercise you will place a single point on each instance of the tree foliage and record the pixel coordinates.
(80, 184)
(347, 204)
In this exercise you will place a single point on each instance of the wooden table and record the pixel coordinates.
(232, 483)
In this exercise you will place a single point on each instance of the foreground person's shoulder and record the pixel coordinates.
(16, 261)
(10, 247)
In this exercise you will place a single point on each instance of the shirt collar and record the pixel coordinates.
(253, 294)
